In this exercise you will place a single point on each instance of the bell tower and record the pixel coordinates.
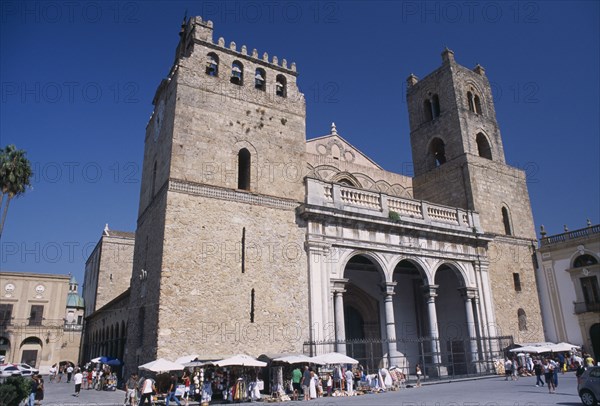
(459, 161)
(224, 159)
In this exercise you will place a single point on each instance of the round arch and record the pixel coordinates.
(459, 271)
(418, 263)
(583, 258)
(346, 177)
(374, 257)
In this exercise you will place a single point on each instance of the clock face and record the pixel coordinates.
(160, 111)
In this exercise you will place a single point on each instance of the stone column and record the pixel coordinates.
(430, 295)
(390, 323)
(340, 326)
(468, 295)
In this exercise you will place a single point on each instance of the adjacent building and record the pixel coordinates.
(41, 319)
(569, 275)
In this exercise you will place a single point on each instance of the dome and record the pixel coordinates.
(74, 300)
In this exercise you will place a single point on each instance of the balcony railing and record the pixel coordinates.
(379, 204)
(583, 307)
(571, 235)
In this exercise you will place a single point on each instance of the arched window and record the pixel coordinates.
(483, 146)
(477, 105)
(506, 221)
(244, 169)
(584, 260)
(471, 102)
(212, 65)
(438, 151)
(281, 86)
(260, 79)
(522, 320)
(427, 110)
(237, 73)
(435, 106)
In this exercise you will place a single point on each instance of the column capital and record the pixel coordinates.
(430, 291)
(338, 285)
(388, 288)
(468, 293)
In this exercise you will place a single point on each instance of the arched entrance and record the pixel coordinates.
(4, 349)
(362, 310)
(31, 351)
(452, 320)
(595, 337)
(410, 310)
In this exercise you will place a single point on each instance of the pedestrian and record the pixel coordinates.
(419, 373)
(34, 385)
(579, 370)
(589, 361)
(78, 379)
(69, 373)
(131, 388)
(312, 385)
(172, 389)
(90, 379)
(148, 389)
(39, 391)
(61, 370)
(349, 382)
(296, 378)
(329, 384)
(507, 368)
(549, 375)
(186, 383)
(537, 368)
(306, 383)
(556, 367)
(85, 379)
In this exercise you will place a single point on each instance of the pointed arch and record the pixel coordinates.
(281, 86)
(212, 64)
(237, 73)
(260, 79)
(522, 318)
(483, 146)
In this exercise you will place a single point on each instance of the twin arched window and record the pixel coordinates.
(431, 108)
(474, 102)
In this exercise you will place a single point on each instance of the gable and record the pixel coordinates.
(333, 148)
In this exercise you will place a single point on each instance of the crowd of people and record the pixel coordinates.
(548, 366)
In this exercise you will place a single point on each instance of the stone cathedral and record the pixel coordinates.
(251, 238)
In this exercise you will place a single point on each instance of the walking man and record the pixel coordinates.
(131, 388)
(349, 382)
(78, 379)
(148, 388)
(172, 389)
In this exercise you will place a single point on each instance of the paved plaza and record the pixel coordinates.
(491, 391)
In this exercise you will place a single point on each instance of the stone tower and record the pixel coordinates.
(217, 231)
(459, 161)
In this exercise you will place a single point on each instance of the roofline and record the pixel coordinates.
(35, 275)
(346, 141)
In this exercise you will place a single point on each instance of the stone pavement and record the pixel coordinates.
(489, 391)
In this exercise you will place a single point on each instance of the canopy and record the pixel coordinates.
(532, 349)
(561, 347)
(161, 365)
(240, 360)
(295, 359)
(186, 358)
(333, 358)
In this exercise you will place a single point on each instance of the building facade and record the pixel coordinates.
(41, 319)
(252, 239)
(569, 276)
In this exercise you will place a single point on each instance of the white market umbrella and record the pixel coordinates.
(333, 358)
(161, 365)
(562, 347)
(240, 360)
(186, 358)
(295, 359)
(534, 349)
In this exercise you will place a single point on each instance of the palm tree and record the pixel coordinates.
(15, 175)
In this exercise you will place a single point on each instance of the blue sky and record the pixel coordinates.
(78, 80)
